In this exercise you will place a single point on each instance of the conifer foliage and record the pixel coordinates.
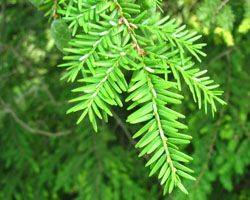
(126, 48)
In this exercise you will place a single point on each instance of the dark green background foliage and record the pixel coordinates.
(45, 156)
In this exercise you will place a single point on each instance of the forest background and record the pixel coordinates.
(45, 155)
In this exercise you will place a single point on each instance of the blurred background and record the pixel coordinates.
(45, 156)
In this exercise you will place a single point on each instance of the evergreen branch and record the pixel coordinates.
(94, 98)
(82, 59)
(209, 95)
(154, 128)
(158, 120)
(218, 124)
(192, 78)
(120, 34)
(130, 27)
(87, 10)
(85, 16)
(177, 37)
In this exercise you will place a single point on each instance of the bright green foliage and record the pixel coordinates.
(113, 38)
(126, 62)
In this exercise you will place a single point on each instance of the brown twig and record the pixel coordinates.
(99, 162)
(123, 127)
(8, 110)
(221, 5)
(54, 13)
(3, 7)
(130, 27)
(243, 126)
(222, 54)
(100, 167)
(127, 133)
